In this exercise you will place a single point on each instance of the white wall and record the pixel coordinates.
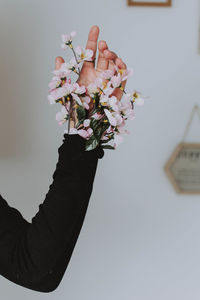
(140, 239)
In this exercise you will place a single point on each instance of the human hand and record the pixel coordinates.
(106, 61)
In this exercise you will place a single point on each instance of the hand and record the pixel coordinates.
(106, 60)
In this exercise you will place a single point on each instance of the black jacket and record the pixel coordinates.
(35, 255)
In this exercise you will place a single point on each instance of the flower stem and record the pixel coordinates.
(75, 58)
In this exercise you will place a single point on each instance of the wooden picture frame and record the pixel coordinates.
(172, 159)
(163, 3)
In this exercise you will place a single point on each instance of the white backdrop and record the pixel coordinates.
(140, 240)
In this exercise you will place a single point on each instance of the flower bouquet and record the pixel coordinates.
(98, 116)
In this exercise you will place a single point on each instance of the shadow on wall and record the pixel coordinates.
(18, 46)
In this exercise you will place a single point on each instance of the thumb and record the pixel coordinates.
(58, 62)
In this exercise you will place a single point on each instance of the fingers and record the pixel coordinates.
(110, 54)
(103, 60)
(58, 62)
(118, 92)
(92, 44)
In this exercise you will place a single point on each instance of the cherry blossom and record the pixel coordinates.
(85, 133)
(116, 80)
(64, 70)
(61, 116)
(113, 117)
(138, 99)
(55, 83)
(67, 39)
(84, 54)
(96, 116)
(86, 122)
(105, 120)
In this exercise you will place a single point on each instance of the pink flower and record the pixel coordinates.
(108, 90)
(127, 73)
(55, 95)
(72, 65)
(55, 82)
(84, 54)
(86, 134)
(60, 92)
(124, 73)
(97, 116)
(125, 107)
(76, 98)
(113, 102)
(92, 88)
(138, 99)
(67, 39)
(72, 130)
(109, 130)
(78, 89)
(63, 72)
(118, 139)
(61, 116)
(104, 100)
(113, 117)
(86, 122)
(116, 80)
(85, 102)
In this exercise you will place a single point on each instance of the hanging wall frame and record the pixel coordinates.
(183, 166)
(165, 3)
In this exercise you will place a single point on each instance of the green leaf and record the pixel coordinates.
(91, 144)
(81, 113)
(106, 141)
(98, 133)
(108, 147)
(93, 123)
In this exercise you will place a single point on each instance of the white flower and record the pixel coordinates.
(92, 89)
(61, 116)
(64, 70)
(67, 88)
(84, 54)
(113, 102)
(86, 122)
(60, 92)
(118, 136)
(138, 99)
(124, 73)
(127, 73)
(76, 98)
(55, 82)
(116, 80)
(97, 116)
(72, 130)
(85, 101)
(86, 134)
(114, 118)
(125, 107)
(118, 139)
(104, 100)
(67, 39)
(79, 89)
(107, 89)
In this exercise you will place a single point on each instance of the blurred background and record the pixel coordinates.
(140, 240)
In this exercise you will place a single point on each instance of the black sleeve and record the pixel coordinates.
(35, 255)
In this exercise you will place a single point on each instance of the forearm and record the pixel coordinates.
(40, 245)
